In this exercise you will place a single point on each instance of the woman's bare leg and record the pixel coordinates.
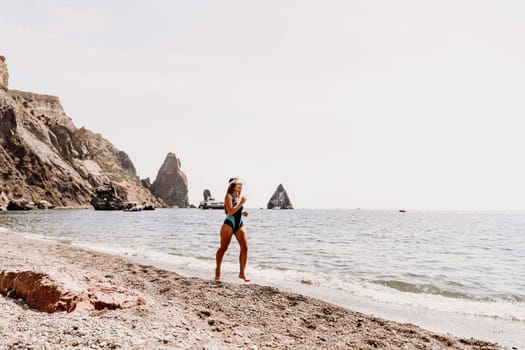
(242, 238)
(226, 237)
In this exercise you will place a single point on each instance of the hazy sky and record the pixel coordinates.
(371, 104)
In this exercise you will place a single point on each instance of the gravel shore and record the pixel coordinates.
(190, 313)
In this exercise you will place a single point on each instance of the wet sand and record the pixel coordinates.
(190, 313)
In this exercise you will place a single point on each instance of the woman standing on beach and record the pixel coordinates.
(233, 225)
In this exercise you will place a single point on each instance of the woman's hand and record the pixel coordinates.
(243, 200)
(244, 213)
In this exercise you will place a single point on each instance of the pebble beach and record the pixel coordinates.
(189, 313)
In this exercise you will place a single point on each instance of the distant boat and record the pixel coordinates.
(402, 211)
(211, 204)
(132, 206)
(209, 201)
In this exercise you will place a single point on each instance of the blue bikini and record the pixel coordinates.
(234, 220)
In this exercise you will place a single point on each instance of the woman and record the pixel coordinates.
(233, 225)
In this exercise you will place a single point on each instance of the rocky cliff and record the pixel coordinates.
(280, 199)
(171, 183)
(44, 156)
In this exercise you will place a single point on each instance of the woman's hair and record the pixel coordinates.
(232, 184)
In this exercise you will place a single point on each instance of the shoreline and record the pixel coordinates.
(505, 332)
(491, 324)
(192, 313)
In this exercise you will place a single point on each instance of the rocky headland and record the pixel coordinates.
(45, 157)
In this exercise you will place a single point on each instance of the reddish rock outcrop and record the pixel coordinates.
(50, 294)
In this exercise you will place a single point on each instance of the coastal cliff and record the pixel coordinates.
(44, 156)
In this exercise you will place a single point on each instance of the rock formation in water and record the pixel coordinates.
(106, 198)
(20, 204)
(171, 184)
(280, 199)
(43, 156)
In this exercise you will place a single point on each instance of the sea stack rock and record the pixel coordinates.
(207, 195)
(171, 184)
(4, 74)
(280, 199)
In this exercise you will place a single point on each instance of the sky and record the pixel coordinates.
(370, 104)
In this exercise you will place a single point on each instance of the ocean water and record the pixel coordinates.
(453, 272)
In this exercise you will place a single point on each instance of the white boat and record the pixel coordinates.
(132, 206)
(211, 204)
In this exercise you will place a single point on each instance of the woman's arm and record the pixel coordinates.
(230, 209)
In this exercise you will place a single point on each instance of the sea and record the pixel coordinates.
(453, 272)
